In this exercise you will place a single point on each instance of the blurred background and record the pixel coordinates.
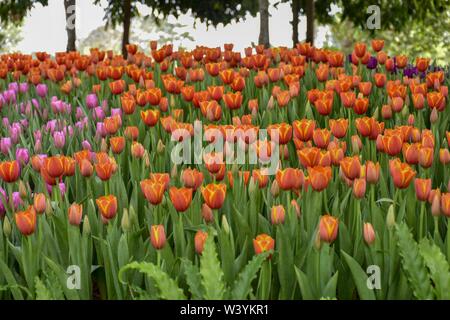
(414, 28)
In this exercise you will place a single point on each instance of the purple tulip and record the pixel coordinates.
(37, 135)
(9, 96)
(51, 126)
(91, 101)
(86, 145)
(38, 146)
(17, 200)
(79, 113)
(14, 86)
(41, 90)
(23, 87)
(99, 113)
(36, 104)
(23, 156)
(3, 202)
(5, 145)
(14, 132)
(59, 139)
(100, 130)
(5, 122)
(116, 112)
(372, 64)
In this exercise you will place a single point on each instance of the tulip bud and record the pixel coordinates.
(146, 159)
(436, 205)
(252, 187)
(75, 213)
(199, 241)
(296, 207)
(39, 203)
(104, 146)
(174, 172)
(434, 116)
(277, 214)
(132, 216)
(160, 148)
(207, 213)
(125, 222)
(22, 189)
(356, 144)
(411, 120)
(48, 208)
(275, 189)
(86, 226)
(270, 104)
(390, 218)
(369, 233)
(6, 227)
(317, 242)
(157, 236)
(225, 225)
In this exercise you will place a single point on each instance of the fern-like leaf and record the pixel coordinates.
(438, 266)
(211, 272)
(42, 293)
(242, 286)
(413, 264)
(193, 279)
(168, 287)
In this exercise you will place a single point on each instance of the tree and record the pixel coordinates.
(395, 14)
(212, 12)
(12, 11)
(264, 23)
(70, 8)
(9, 37)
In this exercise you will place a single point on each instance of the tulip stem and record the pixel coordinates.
(421, 220)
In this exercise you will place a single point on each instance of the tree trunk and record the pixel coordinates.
(126, 26)
(70, 8)
(264, 22)
(310, 16)
(295, 21)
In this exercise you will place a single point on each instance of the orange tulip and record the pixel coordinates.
(321, 137)
(426, 157)
(263, 243)
(192, 178)
(54, 166)
(107, 206)
(372, 172)
(401, 173)
(153, 191)
(199, 241)
(368, 233)
(289, 179)
(104, 169)
(181, 198)
(117, 144)
(75, 213)
(445, 204)
(359, 188)
(277, 214)
(39, 202)
(10, 171)
(338, 127)
(150, 117)
(26, 221)
(304, 129)
(157, 236)
(392, 144)
(214, 195)
(351, 167)
(328, 228)
(319, 177)
(423, 188)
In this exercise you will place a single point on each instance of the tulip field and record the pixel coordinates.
(347, 196)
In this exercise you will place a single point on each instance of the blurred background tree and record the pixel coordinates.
(212, 12)
(15, 11)
(429, 37)
(10, 36)
(142, 31)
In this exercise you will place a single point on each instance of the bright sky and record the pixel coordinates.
(44, 28)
